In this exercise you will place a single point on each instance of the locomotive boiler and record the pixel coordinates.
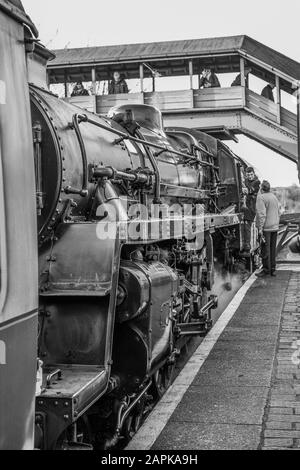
(131, 217)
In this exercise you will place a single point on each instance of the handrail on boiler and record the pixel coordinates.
(124, 136)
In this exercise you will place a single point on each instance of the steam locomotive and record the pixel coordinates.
(130, 220)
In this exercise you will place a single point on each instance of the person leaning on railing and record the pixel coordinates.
(209, 79)
(117, 85)
(238, 80)
(267, 92)
(79, 90)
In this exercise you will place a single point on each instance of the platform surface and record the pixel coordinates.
(241, 389)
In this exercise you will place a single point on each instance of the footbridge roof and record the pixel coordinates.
(211, 50)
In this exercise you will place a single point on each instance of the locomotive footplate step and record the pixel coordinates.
(71, 386)
(199, 328)
(240, 389)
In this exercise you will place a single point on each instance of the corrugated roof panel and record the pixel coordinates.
(185, 48)
(271, 57)
(146, 50)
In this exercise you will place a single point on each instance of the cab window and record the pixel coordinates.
(227, 169)
(228, 179)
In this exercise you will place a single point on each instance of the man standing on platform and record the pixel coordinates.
(267, 221)
(250, 191)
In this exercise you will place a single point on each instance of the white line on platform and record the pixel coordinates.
(158, 418)
(289, 267)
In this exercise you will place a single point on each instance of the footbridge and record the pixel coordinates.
(239, 111)
(224, 111)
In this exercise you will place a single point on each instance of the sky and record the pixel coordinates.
(66, 23)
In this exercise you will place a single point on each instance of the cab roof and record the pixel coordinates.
(15, 9)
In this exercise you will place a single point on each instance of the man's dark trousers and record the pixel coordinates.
(247, 234)
(268, 252)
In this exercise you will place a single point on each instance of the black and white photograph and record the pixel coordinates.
(149, 229)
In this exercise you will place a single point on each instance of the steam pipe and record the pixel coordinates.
(111, 173)
(155, 169)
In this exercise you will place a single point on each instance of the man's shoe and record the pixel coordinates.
(274, 274)
(261, 274)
